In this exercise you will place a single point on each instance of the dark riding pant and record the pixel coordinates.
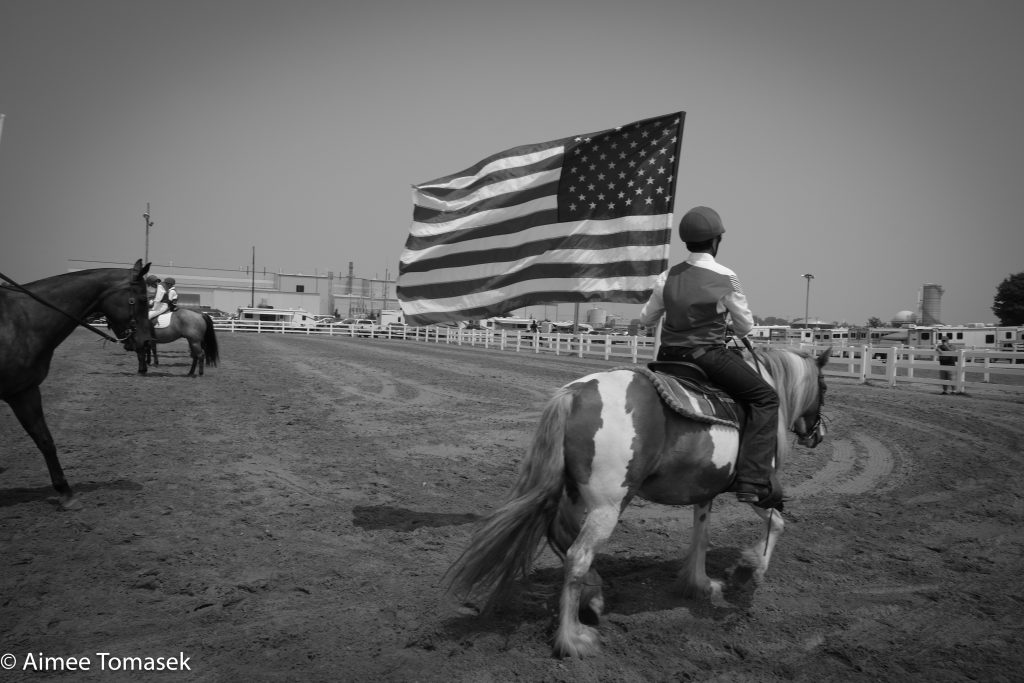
(759, 439)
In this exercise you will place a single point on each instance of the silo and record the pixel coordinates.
(597, 317)
(931, 304)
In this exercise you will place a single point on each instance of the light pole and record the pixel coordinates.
(149, 224)
(807, 299)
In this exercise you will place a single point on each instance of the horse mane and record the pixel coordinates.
(794, 383)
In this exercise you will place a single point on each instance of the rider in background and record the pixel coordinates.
(171, 295)
(151, 282)
(160, 302)
(697, 297)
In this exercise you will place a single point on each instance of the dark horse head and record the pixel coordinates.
(126, 306)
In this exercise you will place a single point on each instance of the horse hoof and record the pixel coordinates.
(583, 642)
(71, 503)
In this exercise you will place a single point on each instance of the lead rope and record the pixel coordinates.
(771, 511)
(81, 323)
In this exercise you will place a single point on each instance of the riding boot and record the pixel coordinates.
(768, 495)
(755, 480)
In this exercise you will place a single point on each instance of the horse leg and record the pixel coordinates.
(693, 580)
(757, 558)
(143, 361)
(201, 357)
(28, 408)
(195, 357)
(574, 638)
(561, 535)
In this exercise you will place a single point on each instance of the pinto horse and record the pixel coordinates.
(197, 329)
(602, 440)
(37, 317)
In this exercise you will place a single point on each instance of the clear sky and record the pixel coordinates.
(877, 144)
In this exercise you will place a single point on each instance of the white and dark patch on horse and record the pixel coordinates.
(586, 420)
(615, 440)
(675, 460)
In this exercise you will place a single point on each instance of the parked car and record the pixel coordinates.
(361, 326)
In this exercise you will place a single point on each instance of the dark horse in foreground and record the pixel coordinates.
(30, 330)
(602, 440)
(197, 329)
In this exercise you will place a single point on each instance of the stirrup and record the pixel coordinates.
(763, 496)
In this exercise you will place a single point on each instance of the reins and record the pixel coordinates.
(80, 323)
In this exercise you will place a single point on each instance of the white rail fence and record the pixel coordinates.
(974, 367)
(892, 365)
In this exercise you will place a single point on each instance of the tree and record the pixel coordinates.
(1009, 302)
(875, 321)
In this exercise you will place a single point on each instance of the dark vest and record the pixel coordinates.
(691, 297)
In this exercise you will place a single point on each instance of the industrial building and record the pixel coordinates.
(228, 290)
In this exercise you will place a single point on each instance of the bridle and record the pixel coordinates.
(130, 328)
(821, 395)
(816, 426)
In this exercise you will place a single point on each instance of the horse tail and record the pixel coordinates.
(504, 545)
(210, 348)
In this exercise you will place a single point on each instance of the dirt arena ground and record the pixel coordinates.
(289, 516)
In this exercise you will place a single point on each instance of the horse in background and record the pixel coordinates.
(35, 318)
(602, 440)
(193, 326)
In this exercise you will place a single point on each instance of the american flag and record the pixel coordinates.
(583, 218)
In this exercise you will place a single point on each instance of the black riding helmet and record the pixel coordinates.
(701, 224)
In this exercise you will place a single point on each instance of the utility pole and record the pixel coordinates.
(149, 224)
(807, 299)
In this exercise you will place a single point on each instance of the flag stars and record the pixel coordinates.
(608, 179)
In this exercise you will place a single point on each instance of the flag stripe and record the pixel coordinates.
(540, 271)
(445, 256)
(523, 231)
(492, 221)
(517, 156)
(522, 190)
(442, 197)
(533, 292)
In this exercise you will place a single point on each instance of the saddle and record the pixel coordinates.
(685, 389)
(162, 320)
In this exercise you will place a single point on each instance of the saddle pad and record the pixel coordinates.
(163, 320)
(694, 400)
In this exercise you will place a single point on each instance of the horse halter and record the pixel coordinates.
(817, 428)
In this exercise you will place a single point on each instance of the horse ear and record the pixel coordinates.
(138, 270)
(824, 356)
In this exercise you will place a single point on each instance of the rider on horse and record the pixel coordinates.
(696, 297)
(151, 285)
(164, 299)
